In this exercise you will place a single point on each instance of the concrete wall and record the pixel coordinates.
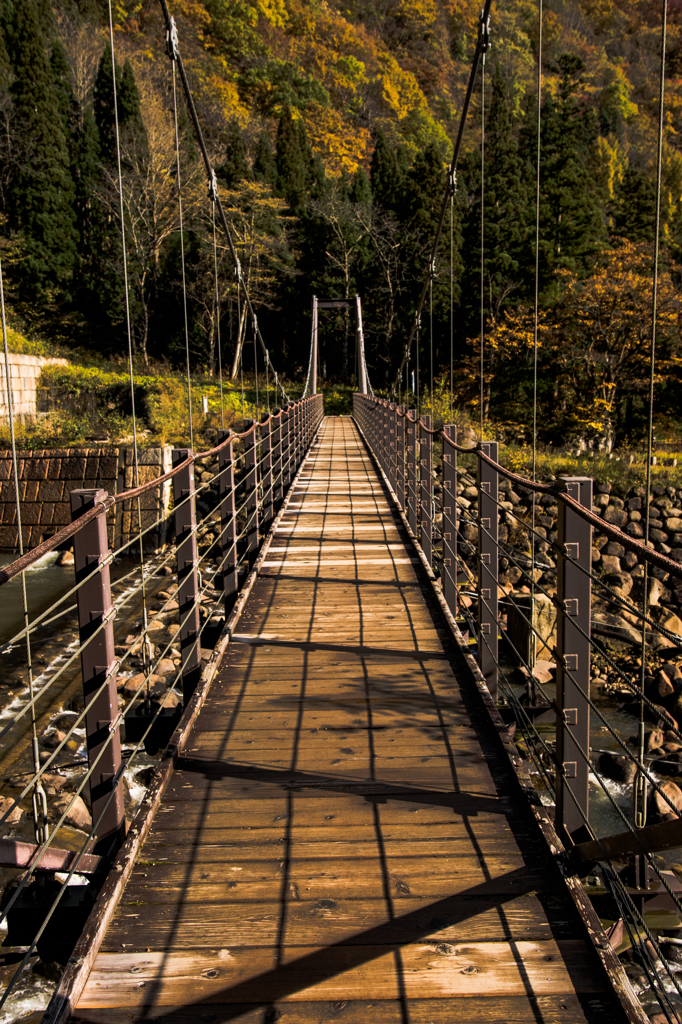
(46, 478)
(24, 372)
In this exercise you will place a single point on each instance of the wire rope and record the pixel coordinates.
(639, 788)
(482, 237)
(39, 798)
(213, 193)
(172, 53)
(129, 330)
(536, 303)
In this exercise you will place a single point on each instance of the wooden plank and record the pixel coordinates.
(342, 972)
(552, 1009)
(210, 925)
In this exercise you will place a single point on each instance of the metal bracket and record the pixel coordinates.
(172, 48)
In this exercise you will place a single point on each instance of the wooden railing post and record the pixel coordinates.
(488, 566)
(266, 470)
(426, 488)
(450, 519)
(188, 577)
(574, 597)
(411, 430)
(98, 664)
(228, 522)
(251, 492)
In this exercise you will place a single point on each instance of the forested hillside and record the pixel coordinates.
(330, 125)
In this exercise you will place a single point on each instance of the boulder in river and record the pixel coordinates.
(660, 808)
(616, 767)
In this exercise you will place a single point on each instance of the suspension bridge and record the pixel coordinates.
(357, 812)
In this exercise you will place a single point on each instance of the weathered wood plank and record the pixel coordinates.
(342, 972)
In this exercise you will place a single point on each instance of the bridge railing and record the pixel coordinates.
(515, 560)
(137, 676)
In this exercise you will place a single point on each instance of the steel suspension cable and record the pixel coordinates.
(453, 187)
(124, 250)
(482, 231)
(536, 306)
(39, 798)
(172, 50)
(213, 195)
(172, 38)
(639, 789)
(481, 46)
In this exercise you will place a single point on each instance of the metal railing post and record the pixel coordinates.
(450, 519)
(276, 442)
(400, 455)
(228, 522)
(574, 598)
(98, 665)
(266, 463)
(488, 555)
(392, 453)
(411, 430)
(284, 448)
(426, 488)
(188, 577)
(251, 490)
(384, 436)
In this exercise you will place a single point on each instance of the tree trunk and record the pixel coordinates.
(240, 343)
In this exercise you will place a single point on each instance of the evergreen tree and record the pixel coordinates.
(235, 167)
(41, 193)
(387, 174)
(131, 126)
(635, 207)
(264, 166)
(293, 159)
(571, 215)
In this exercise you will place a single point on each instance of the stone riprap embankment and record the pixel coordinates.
(24, 372)
(47, 477)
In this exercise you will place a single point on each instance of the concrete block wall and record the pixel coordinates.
(46, 478)
(24, 373)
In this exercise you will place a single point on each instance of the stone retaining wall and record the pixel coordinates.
(24, 373)
(46, 478)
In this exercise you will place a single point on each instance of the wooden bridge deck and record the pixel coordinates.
(343, 839)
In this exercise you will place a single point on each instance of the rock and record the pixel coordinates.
(613, 548)
(544, 671)
(617, 626)
(629, 560)
(617, 767)
(657, 535)
(610, 563)
(165, 667)
(669, 764)
(669, 621)
(635, 517)
(174, 628)
(14, 816)
(620, 581)
(171, 700)
(65, 558)
(653, 739)
(78, 815)
(659, 808)
(673, 525)
(471, 493)
(633, 504)
(676, 554)
(663, 686)
(616, 516)
(133, 684)
(596, 556)
(601, 500)
(634, 530)
(602, 487)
